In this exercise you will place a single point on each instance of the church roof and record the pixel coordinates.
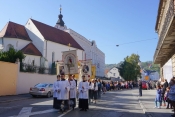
(31, 50)
(14, 30)
(55, 35)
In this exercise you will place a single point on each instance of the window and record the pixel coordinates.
(51, 85)
(114, 74)
(33, 62)
(53, 57)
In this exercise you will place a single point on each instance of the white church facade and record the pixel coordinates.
(43, 44)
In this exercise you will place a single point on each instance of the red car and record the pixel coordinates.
(144, 86)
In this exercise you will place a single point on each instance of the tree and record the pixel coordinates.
(129, 69)
(11, 55)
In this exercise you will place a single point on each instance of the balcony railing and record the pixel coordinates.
(166, 23)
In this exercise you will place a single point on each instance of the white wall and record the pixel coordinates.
(35, 36)
(27, 80)
(18, 44)
(30, 58)
(114, 73)
(58, 49)
(167, 70)
(92, 52)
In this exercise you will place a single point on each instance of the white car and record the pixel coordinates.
(42, 89)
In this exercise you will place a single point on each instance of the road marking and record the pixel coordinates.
(25, 112)
(64, 113)
(45, 111)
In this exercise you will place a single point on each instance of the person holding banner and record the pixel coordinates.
(63, 91)
(83, 94)
(72, 91)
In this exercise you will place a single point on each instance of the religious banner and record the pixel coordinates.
(86, 68)
(70, 62)
(93, 74)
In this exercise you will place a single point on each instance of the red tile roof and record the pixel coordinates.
(107, 70)
(55, 35)
(14, 30)
(31, 50)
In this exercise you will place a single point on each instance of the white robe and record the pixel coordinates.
(63, 94)
(73, 89)
(83, 93)
(55, 89)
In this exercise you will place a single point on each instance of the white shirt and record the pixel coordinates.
(83, 93)
(96, 87)
(63, 93)
(55, 89)
(73, 89)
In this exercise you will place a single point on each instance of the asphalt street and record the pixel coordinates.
(123, 103)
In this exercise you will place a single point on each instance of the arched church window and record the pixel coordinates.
(9, 46)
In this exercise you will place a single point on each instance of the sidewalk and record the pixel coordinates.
(147, 103)
(11, 98)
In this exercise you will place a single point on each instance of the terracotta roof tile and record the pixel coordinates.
(14, 30)
(55, 35)
(31, 50)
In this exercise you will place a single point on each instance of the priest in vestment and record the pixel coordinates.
(72, 90)
(63, 91)
(83, 94)
(55, 92)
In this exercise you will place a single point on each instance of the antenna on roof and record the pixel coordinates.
(31, 17)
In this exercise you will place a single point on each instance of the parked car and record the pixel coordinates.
(42, 89)
(144, 86)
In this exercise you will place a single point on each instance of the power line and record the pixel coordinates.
(136, 41)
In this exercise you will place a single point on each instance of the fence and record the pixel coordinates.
(37, 69)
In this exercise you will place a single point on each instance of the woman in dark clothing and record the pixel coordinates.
(162, 95)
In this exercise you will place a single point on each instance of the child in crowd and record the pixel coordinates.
(158, 98)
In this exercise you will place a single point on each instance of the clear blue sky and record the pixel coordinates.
(108, 22)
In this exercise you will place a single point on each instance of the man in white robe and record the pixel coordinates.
(83, 88)
(72, 91)
(63, 90)
(55, 92)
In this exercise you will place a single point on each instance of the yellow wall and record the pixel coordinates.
(8, 78)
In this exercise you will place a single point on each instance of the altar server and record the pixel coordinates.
(63, 90)
(72, 91)
(83, 94)
(55, 92)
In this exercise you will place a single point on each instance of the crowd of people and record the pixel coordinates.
(65, 92)
(165, 95)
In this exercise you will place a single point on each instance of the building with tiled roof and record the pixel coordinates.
(15, 36)
(42, 44)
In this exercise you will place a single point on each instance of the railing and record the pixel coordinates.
(37, 69)
(166, 23)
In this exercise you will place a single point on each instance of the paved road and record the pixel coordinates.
(123, 103)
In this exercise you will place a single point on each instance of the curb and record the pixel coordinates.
(15, 100)
(144, 109)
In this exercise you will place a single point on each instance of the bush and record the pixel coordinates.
(11, 55)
